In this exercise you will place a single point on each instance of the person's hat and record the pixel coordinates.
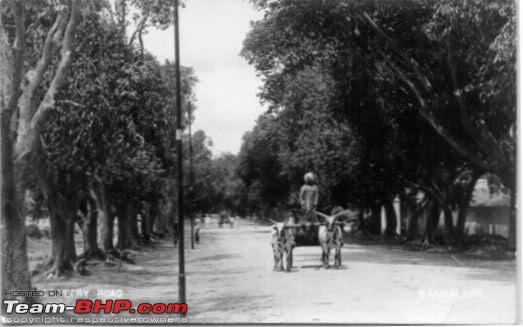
(309, 177)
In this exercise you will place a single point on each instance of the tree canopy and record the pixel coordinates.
(384, 98)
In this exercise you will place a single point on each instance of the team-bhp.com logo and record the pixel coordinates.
(83, 306)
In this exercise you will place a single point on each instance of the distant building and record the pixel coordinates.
(483, 197)
(489, 212)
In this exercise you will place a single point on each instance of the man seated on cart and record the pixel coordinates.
(309, 197)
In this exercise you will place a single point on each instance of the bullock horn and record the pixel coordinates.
(321, 214)
(341, 213)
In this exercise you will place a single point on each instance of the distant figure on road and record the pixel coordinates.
(223, 218)
(309, 196)
(197, 223)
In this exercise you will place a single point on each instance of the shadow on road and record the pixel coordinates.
(320, 266)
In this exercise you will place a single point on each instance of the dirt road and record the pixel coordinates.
(230, 279)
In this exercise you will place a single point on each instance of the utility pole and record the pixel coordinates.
(191, 175)
(181, 254)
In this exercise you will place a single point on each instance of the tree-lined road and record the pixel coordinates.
(230, 279)
(411, 100)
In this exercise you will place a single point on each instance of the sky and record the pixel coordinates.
(211, 36)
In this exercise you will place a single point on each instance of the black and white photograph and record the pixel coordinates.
(260, 162)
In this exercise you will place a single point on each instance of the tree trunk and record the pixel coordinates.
(153, 216)
(433, 213)
(390, 216)
(148, 220)
(161, 223)
(90, 232)
(413, 227)
(14, 247)
(145, 223)
(460, 223)
(108, 231)
(123, 226)
(361, 220)
(107, 219)
(63, 250)
(449, 225)
(59, 265)
(70, 247)
(15, 265)
(375, 220)
(132, 222)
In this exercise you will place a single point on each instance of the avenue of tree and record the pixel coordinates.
(88, 132)
(381, 99)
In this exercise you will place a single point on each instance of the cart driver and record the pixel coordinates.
(309, 197)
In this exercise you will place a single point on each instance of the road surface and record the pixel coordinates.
(230, 279)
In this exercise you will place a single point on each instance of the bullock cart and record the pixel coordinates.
(327, 232)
